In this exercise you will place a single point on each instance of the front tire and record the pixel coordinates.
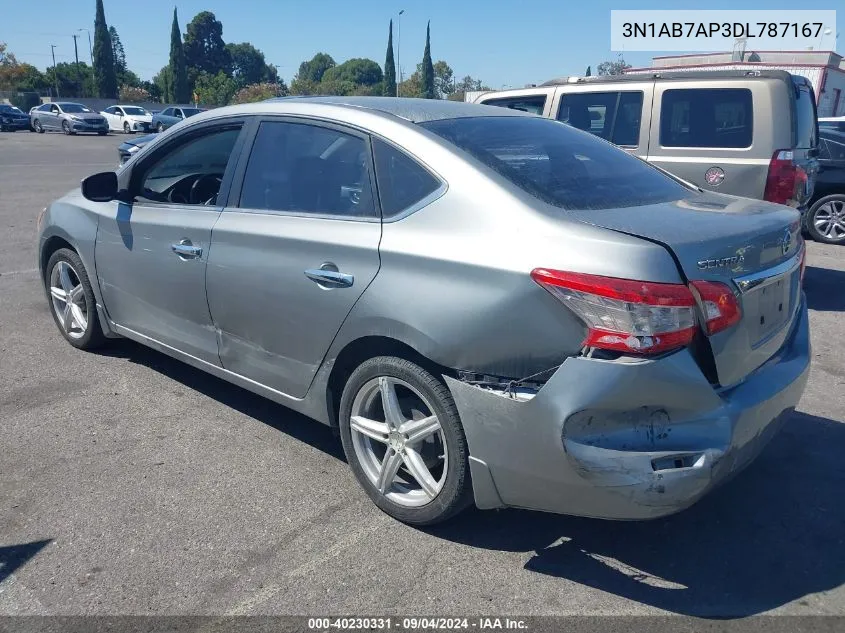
(404, 441)
(37, 127)
(160, 127)
(826, 219)
(66, 128)
(72, 300)
(126, 129)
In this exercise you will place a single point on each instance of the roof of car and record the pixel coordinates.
(658, 73)
(414, 110)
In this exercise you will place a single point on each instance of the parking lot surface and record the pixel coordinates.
(131, 483)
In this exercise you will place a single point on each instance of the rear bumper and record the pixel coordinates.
(632, 440)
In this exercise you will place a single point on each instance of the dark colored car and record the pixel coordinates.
(826, 217)
(837, 124)
(172, 115)
(12, 119)
(128, 148)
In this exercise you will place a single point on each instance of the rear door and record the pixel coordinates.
(806, 129)
(716, 134)
(294, 251)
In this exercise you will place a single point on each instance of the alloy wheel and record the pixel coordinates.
(829, 220)
(399, 441)
(68, 298)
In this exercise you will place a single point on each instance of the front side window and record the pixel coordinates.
(706, 117)
(558, 165)
(110, 110)
(301, 168)
(192, 171)
(402, 181)
(190, 111)
(533, 104)
(54, 109)
(133, 111)
(613, 116)
(177, 112)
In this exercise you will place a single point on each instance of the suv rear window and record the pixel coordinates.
(558, 164)
(533, 104)
(806, 126)
(706, 117)
(614, 116)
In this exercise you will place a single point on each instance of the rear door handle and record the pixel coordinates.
(186, 250)
(328, 278)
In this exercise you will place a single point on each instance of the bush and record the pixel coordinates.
(25, 100)
(260, 92)
(134, 94)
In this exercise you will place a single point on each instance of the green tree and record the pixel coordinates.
(215, 90)
(389, 66)
(444, 80)
(73, 81)
(358, 71)
(163, 81)
(312, 70)
(133, 94)
(616, 67)
(178, 89)
(205, 50)
(465, 85)
(427, 89)
(249, 65)
(118, 52)
(153, 90)
(26, 78)
(304, 87)
(589, 72)
(260, 92)
(105, 78)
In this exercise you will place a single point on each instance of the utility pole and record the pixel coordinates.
(76, 54)
(90, 54)
(398, 42)
(55, 74)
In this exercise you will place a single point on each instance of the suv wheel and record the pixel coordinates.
(826, 219)
(404, 441)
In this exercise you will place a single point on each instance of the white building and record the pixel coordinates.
(824, 69)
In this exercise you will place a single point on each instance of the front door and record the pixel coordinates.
(151, 255)
(293, 251)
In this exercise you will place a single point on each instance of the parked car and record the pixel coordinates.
(128, 119)
(826, 217)
(127, 149)
(70, 118)
(171, 116)
(836, 123)
(12, 119)
(749, 134)
(488, 305)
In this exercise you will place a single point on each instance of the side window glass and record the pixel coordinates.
(402, 181)
(167, 112)
(303, 168)
(835, 150)
(54, 109)
(626, 127)
(706, 117)
(613, 116)
(192, 171)
(109, 110)
(532, 104)
(824, 152)
(177, 112)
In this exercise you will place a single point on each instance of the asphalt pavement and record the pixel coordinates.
(131, 483)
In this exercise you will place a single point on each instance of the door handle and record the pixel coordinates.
(329, 277)
(186, 250)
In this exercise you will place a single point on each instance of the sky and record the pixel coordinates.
(504, 43)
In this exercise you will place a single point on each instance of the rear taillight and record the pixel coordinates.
(786, 181)
(636, 317)
(640, 317)
(719, 305)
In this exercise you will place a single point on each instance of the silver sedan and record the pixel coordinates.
(489, 306)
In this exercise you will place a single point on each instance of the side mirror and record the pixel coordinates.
(100, 187)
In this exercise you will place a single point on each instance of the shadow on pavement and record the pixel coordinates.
(825, 289)
(275, 415)
(771, 536)
(13, 557)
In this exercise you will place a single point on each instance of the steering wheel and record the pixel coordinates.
(196, 189)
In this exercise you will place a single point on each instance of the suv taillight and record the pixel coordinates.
(786, 181)
(639, 317)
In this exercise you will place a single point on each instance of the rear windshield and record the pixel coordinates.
(558, 164)
(806, 126)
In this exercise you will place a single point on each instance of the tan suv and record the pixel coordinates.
(751, 134)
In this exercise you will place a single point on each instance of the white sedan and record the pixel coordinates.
(128, 118)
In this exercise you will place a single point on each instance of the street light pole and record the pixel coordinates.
(55, 72)
(398, 43)
(90, 54)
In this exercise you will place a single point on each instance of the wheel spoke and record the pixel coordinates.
(64, 277)
(67, 317)
(419, 471)
(371, 428)
(390, 402)
(77, 295)
(58, 293)
(78, 317)
(418, 430)
(389, 466)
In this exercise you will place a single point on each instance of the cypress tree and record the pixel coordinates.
(390, 66)
(427, 67)
(180, 90)
(105, 77)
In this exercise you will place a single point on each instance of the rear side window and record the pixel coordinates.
(806, 126)
(533, 104)
(706, 117)
(558, 164)
(402, 181)
(613, 116)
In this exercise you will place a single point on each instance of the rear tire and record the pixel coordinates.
(429, 482)
(825, 220)
(72, 301)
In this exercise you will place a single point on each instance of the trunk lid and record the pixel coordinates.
(752, 246)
